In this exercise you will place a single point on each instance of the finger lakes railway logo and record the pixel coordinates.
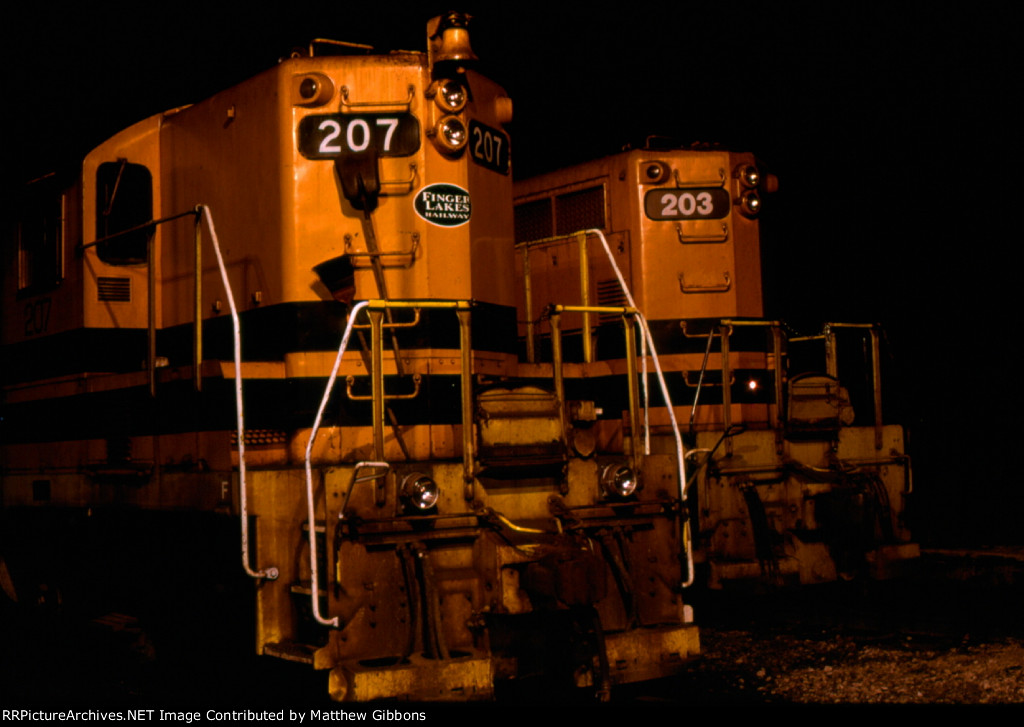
(443, 204)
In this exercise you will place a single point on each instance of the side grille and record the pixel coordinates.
(117, 290)
(580, 210)
(533, 220)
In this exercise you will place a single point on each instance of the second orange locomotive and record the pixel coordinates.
(791, 478)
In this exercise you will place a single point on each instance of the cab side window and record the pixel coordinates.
(41, 230)
(124, 202)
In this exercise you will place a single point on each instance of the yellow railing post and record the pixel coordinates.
(197, 307)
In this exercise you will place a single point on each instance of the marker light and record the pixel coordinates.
(312, 89)
(655, 172)
(419, 491)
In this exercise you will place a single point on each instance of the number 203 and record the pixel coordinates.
(687, 204)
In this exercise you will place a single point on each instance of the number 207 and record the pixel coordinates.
(357, 135)
(487, 147)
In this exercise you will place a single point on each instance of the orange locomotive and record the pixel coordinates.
(178, 314)
(784, 482)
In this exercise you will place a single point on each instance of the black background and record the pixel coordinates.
(892, 128)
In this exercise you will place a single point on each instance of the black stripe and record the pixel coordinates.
(668, 339)
(267, 335)
(290, 404)
(610, 393)
(274, 404)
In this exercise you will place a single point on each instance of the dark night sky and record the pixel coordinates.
(889, 126)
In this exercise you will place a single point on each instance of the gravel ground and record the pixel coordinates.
(923, 642)
(926, 640)
(837, 669)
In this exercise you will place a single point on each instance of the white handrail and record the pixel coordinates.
(268, 573)
(681, 461)
(311, 515)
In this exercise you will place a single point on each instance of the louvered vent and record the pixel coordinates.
(609, 293)
(118, 290)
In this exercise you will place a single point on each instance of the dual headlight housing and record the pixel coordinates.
(449, 133)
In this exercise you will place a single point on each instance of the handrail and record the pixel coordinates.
(664, 392)
(350, 382)
(694, 183)
(200, 213)
(696, 239)
(832, 363)
(151, 226)
(627, 313)
(310, 511)
(713, 288)
(580, 237)
(776, 329)
(646, 340)
(380, 255)
(876, 367)
(347, 106)
(376, 309)
(268, 573)
(726, 387)
(356, 479)
(197, 306)
(462, 309)
(724, 330)
(700, 379)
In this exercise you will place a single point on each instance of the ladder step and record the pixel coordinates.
(305, 588)
(291, 651)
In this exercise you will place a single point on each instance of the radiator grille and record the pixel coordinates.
(533, 220)
(580, 210)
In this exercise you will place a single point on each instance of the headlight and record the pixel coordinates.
(419, 492)
(749, 175)
(750, 203)
(450, 134)
(450, 95)
(618, 480)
